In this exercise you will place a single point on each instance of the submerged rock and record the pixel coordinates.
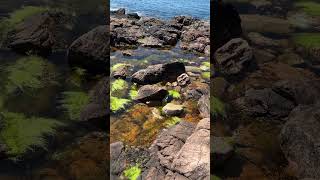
(151, 93)
(91, 51)
(158, 73)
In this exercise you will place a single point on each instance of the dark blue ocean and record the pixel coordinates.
(165, 9)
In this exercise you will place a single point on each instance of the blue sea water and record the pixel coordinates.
(165, 9)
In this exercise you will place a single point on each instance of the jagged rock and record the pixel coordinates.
(183, 79)
(151, 42)
(300, 140)
(204, 106)
(265, 102)
(157, 73)
(193, 159)
(171, 109)
(196, 89)
(133, 15)
(233, 57)
(40, 33)
(151, 93)
(91, 51)
(119, 12)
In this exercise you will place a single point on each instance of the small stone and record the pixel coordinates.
(172, 109)
(183, 79)
(127, 53)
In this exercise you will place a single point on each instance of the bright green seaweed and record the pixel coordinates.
(133, 172)
(30, 73)
(21, 133)
(73, 102)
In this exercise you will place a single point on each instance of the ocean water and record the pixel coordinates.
(165, 9)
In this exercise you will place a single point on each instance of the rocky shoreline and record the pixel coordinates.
(180, 150)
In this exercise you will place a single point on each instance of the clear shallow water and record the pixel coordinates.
(165, 8)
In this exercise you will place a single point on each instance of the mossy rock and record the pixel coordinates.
(172, 121)
(16, 17)
(22, 134)
(119, 88)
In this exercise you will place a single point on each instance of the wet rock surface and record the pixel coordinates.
(40, 33)
(91, 51)
(263, 115)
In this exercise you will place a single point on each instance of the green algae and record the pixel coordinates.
(175, 94)
(217, 107)
(205, 66)
(172, 121)
(73, 102)
(119, 87)
(22, 134)
(117, 104)
(133, 93)
(116, 66)
(206, 75)
(76, 77)
(213, 177)
(309, 7)
(133, 172)
(307, 40)
(30, 73)
(16, 17)
(19, 15)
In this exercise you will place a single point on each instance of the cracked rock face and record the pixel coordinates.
(182, 152)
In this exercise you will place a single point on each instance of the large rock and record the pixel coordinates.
(233, 57)
(151, 93)
(91, 51)
(299, 91)
(265, 102)
(158, 73)
(40, 33)
(300, 139)
(204, 106)
(193, 159)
